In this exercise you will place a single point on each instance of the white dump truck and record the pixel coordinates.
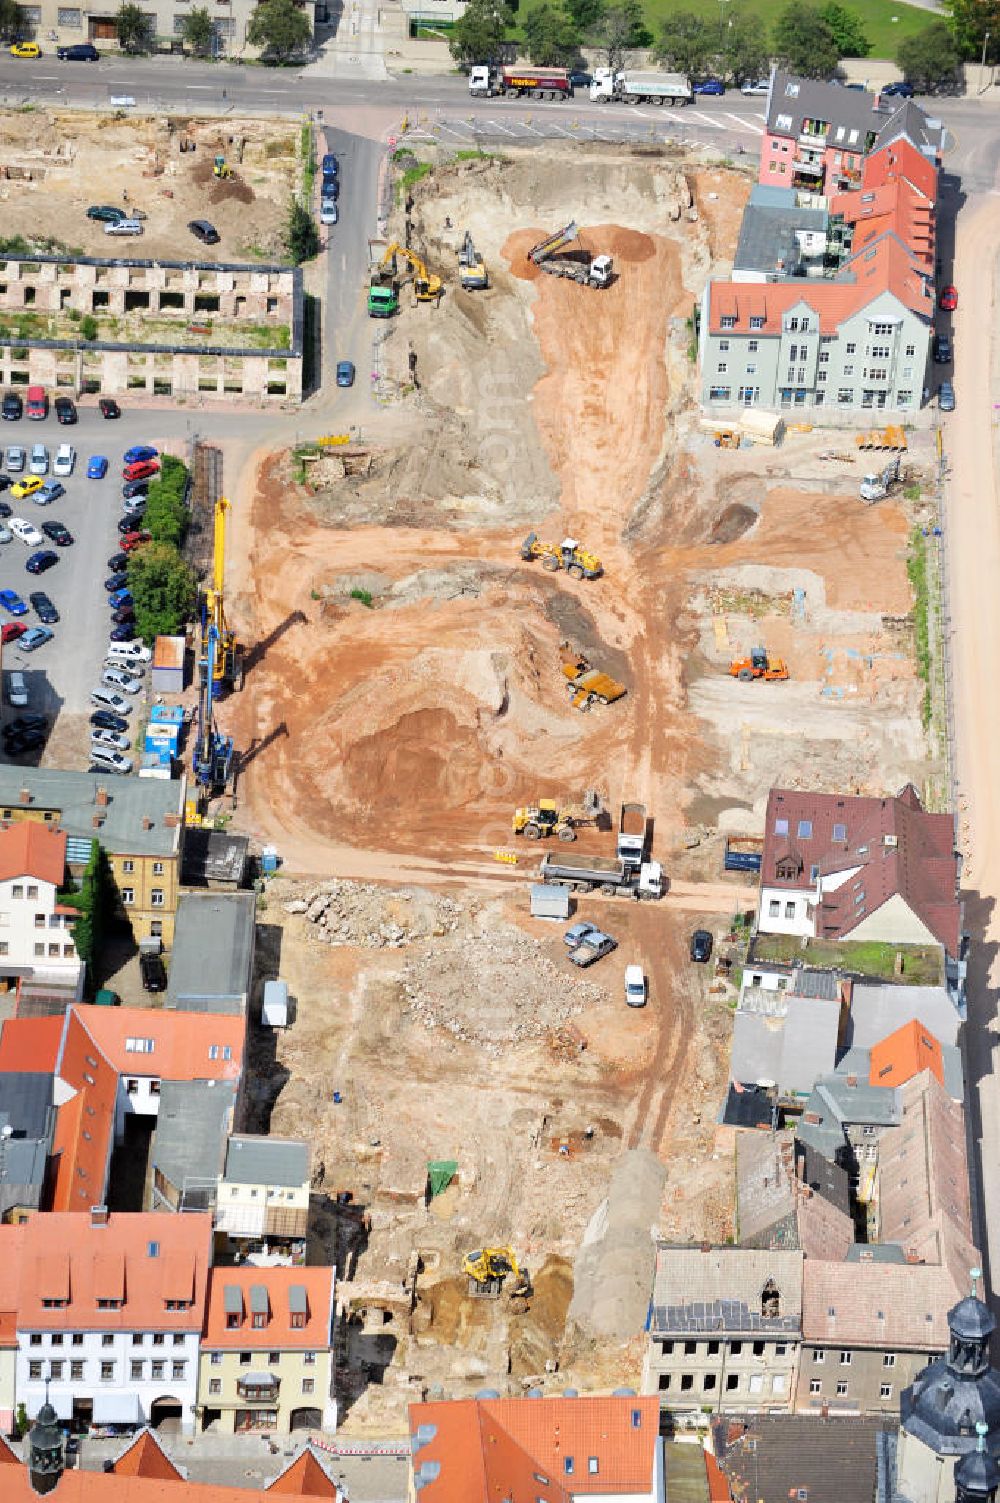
(640, 88)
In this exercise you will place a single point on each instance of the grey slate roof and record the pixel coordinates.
(783, 1038)
(26, 1102)
(815, 100)
(772, 1458)
(720, 1290)
(73, 794)
(191, 1128)
(767, 240)
(877, 1011)
(26, 1108)
(747, 1105)
(908, 119)
(875, 1252)
(212, 959)
(266, 1161)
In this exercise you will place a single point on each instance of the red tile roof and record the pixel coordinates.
(7, 1456)
(85, 1124)
(185, 1045)
(904, 1054)
(718, 1482)
(901, 159)
(145, 1457)
(895, 845)
(30, 1044)
(68, 1256)
(279, 1332)
(491, 1449)
(32, 849)
(106, 1487)
(303, 1478)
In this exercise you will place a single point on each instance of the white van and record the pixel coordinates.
(635, 986)
(136, 653)
(105, 699)
(17, 690)
(106, 756)
(117, 678)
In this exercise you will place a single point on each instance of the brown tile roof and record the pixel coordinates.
(304, 1478)
(490, 1449)
(68, 1256)
(878, 1305)
(897, 846)
(777, 1458)
(145, 1457)
(923, 1173)
(106, 1487)
(904, 1054)
(32, 849)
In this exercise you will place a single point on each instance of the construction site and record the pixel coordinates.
(539, 578)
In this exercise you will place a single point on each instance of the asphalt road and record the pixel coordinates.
(347, 329)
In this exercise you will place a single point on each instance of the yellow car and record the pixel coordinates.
(25, 49)
(26, 487)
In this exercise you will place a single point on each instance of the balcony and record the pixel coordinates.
(809, 166)
(258, 1388)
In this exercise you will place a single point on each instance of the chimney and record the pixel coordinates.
(147, 823)
(171, 821)
(25, 796)
(97, 821)
(852, 1081)
(101, 797)
(98, 1215)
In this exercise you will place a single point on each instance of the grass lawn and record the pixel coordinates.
(882, 31)
(922, 965)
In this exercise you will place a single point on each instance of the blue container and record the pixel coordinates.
(269, 860)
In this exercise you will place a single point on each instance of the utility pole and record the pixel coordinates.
(982, 62)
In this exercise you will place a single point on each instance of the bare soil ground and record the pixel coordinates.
(425, 710)
(56, 165)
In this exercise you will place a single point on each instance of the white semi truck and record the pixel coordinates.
(640, 88)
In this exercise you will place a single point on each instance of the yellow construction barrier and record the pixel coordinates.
(509, 857)
(334, 438)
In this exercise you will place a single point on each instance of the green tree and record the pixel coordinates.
(199, 32)
(971, 20)
(11, 20)
(280, 29)
(621, 29)
(847, 28)
(804, 42)
(166, 516)
(550, 35)
(930, 58)
(21, 1421)
(478, 35)
(585, 14)
(687, 42)
(301, 234)
(163, 588)
(133, 28)
(745, 49)
(92, 900)
(89, 327)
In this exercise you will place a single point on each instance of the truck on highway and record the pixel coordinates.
(609, 874)
(485, 80)
(640, 88)
(743, 853)
(383, 295)
(632, 828)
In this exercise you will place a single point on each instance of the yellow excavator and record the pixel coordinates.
(222, 168)
(487, 1268)
(568, 555)
(426, 284)
(538, 821)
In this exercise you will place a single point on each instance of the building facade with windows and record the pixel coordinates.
(262, 1199)
(267, 1353)
(51, 23)
(110, 1309)
(37, 952)
(138, 822)
(725, 1329)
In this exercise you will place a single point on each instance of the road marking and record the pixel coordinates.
(46, 77)
(262, 91)
(496, 124)
(744, 123)
(697, 115)
(760, 117)
(672, 115)
(206, 88)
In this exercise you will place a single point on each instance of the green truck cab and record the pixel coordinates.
(382, 302)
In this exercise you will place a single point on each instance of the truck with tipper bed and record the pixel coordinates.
(383, 296)
(640, 88)
(632, 828)
(485, 80)
(609, 874)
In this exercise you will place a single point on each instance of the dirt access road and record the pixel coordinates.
(973, 554)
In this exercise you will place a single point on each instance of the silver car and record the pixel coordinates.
(16, 459)
(39, 464)
(110, 738)
(124, 227)
(328, 212)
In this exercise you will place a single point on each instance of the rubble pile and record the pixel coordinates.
(358, 913)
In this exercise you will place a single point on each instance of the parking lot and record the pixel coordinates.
(61, 674)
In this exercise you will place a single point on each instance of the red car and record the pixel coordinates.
(11, 630)
(948, 301)
(142, 470)
(133, 540)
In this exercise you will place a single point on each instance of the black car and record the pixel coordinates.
(60, 535)
(41, 561)
(5, 484)
(331, 188)
(78, 52)
(43, 607)
(127, 524)
(109, 407)
(942, 349)
(123, 616)
(12, 407)
(5, 510)
(134, 488)
(123, 633)
(65, 410)
(901, 90)
(117, 581)
(105, 721)
(153, 973)
(202, 230)
(25, 723)
(701, 945)
(16, 746)
(118, 562)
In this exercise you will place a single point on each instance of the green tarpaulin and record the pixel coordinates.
(441, 1172)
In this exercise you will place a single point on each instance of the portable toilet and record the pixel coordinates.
(274, 1012)
(549, 902)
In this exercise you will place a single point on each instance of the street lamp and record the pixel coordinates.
(982, 62)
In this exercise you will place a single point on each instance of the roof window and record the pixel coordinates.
(792, 89)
